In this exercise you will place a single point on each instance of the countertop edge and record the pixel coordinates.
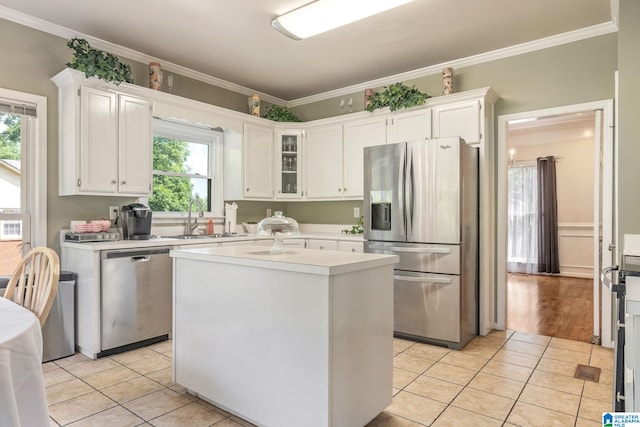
(308, 261)
(164, 241)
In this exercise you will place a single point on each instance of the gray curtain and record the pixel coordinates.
(548, 258)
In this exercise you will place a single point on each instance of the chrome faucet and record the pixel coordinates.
(191, 227)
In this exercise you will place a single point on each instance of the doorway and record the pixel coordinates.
(574, 136)
(542, 303)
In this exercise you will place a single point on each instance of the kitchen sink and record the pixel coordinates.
(204, 236)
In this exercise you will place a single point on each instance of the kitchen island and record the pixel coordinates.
(301, 338)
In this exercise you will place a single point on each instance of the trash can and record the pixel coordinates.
(58, 332)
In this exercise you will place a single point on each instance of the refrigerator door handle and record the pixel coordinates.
(402, 190)
(412, 250)
(411, 190)
(423, 279)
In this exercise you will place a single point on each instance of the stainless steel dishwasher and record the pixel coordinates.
(135, 297)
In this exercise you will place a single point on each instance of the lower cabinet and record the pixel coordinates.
(289, 243)
(323, 245)
(345, 246)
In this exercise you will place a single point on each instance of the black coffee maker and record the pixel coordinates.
(136, 222)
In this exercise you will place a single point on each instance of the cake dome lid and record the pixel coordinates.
(278, 225)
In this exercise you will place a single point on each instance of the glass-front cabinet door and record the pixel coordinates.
(288, 164)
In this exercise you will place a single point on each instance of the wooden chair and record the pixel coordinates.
(34, 283)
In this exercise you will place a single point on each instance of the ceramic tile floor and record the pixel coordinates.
(503, 379)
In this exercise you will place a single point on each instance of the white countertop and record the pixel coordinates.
(165, 241)
(297, 260)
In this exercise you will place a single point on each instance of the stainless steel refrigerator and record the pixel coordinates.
(421, 203)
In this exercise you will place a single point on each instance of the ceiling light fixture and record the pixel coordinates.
(324, 15)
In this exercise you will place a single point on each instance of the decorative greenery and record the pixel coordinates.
(356, 229)
(93, 62)
(396, 96)
(280, 114)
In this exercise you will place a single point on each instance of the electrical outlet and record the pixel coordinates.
(268, 213)
(114, 211)
(356, 212)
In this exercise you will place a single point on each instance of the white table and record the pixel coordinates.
(22, 396)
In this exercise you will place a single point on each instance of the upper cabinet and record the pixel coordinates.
(358, 134)
(288, 164)
(409, 126)
(258, 161)
(105, 139)
(135, 146)
(461, 119)
(323, 161)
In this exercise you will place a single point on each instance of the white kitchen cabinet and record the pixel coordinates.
(358, 134)
(323, 245)
(348, 246)
(409, 126)
(98, 163)
(288, 242)
(323, 162)
(288, 164)
(135, 146)
(461, 119)
(258, 161)
(104, 137)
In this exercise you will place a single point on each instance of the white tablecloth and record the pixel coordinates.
(22, 397)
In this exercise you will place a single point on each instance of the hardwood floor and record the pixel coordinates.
(560, 307)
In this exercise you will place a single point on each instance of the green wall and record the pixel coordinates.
(572, 73)
(568, 74)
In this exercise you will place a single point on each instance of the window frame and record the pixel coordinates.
(33, 205)
(8, 236)
(201, 134)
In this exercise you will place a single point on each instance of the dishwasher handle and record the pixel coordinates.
(140, 258)
(135, 253)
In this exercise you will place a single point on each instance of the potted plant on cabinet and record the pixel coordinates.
(396, 96)
(94, 62)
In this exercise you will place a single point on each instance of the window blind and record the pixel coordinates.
(8, 106)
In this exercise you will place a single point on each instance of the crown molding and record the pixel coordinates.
(544, 43)
(66, 33)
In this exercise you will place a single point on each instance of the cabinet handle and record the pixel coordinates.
(247, 190)
(123, 182)
(344, 189)
(113, 181)
(339, 190)
(321, 247)
(353, 249)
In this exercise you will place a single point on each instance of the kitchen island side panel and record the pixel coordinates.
(361, 345)
(283, 348)
(253, 341)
